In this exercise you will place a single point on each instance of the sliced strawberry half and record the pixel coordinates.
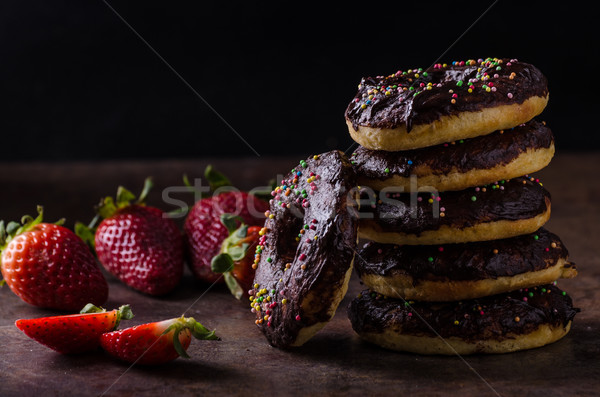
(74, 333)
(155, 343)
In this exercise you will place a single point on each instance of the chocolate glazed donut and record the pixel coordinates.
(500, 210)
(453, 272)
(518, 320)
(458, 165)
(424, 107)
(307, 250)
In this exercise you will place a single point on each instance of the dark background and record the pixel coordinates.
(77, 83)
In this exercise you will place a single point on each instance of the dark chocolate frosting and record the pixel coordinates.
(466, 261)
(516, 199)
(421, 96)
(308, 247)
(496, 317)
(484, 152)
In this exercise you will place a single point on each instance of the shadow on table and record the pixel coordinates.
(562, 360)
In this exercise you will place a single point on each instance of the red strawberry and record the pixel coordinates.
(204, 233)
(140, 245)
(47, 265)
(75, 333)
(155, 343)
(237, 257)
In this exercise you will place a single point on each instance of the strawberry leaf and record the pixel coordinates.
(221, 263)
(86, 233)
(199, 331)
(107, 208)
(91, 308)
(178, 326)
(124, 197)
(230, 221)
(237, 252)
(198, 193)
(148, 185)
(233, 285)
(125, 312)
(12, 228)
(27, 223)
(177, 346)
(215, 178)
(242, 231)
(2, 235)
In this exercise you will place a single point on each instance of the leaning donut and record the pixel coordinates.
(458, 165)
(503, 323)
(453, 272)
(500, 210)
(444, 103)
(304, 259)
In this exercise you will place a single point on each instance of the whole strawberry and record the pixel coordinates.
(47, 265)
(155, 343)
(239, 253)
(74, 333)
(138, 244)
(204, 232)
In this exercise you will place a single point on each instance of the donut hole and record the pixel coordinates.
(289, 234)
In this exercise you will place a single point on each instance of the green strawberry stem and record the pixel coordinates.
(123, 313)
(233, 285)
(108, 207)
(91, 308)
(231, 251)
(215, 178)
(197, 330)
(87, 232)
(13, 229)
(230, 221)
(148, 185)
(221, 263)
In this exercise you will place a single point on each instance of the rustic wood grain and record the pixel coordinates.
(336, 361)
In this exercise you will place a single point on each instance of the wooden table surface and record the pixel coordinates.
(335, 361)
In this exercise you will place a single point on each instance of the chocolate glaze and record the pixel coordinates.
(466, 261)
(489, 318)
(516, 199)
(398, 108)
(481, 153)
(329, 214)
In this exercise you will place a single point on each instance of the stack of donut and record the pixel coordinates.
(456, 258)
